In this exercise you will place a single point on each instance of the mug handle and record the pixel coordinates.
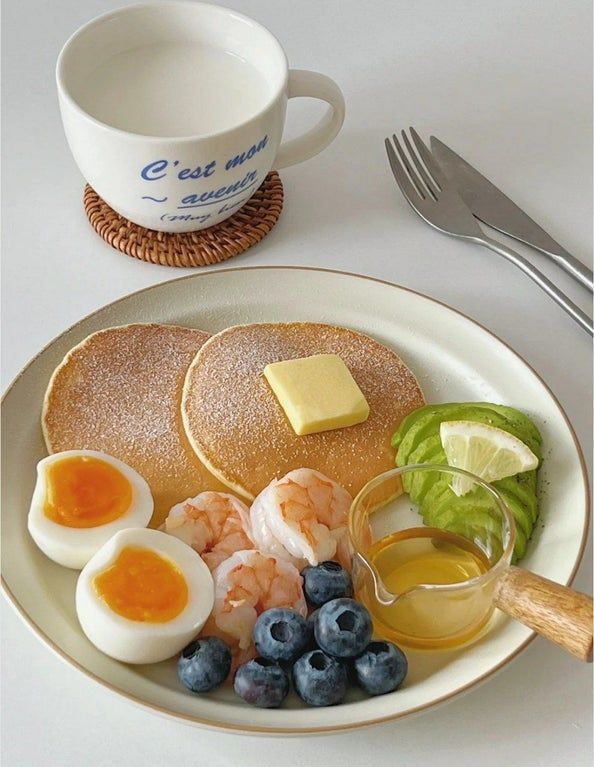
(313, 85)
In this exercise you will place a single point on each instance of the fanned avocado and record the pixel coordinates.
(418, 441)
(519, 491)
(429, 423)
(519, 422)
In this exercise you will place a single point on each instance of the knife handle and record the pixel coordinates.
(552, 290)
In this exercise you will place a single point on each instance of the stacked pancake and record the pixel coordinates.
(191, 412)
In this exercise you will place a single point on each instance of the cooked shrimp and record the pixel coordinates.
(246, 584)
(302, 517)
(214, 524)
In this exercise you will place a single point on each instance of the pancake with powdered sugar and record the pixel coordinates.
(119, 391)
(239, 430)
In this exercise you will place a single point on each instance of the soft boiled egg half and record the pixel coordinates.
(143, 596)
(81, 498)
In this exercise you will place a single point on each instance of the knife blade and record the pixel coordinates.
(494, 208)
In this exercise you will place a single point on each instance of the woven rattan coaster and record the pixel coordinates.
(248, 226)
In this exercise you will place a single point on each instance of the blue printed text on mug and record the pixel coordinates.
(222, 193)
(202, 217)
(158, 169)
(212, 196)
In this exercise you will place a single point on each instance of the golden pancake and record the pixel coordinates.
(239, 430)
(119, 391)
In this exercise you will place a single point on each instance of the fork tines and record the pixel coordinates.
(427, 181)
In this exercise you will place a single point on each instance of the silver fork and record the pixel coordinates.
(437, 201)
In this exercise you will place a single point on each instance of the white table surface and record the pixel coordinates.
(508, 84)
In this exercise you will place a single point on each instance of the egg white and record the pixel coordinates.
(74, 546)
(133, 641)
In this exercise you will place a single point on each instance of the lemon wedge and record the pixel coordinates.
(484, 450)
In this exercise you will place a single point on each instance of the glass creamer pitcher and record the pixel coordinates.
(434, 582)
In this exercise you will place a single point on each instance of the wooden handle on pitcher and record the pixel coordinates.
(555, 612)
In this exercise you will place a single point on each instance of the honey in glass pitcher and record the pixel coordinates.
(424, 586)
(426, 555)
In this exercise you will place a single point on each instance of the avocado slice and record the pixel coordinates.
(426, 449)
(412, 418)
(523, 488)
(435, 497)
(422, 482)
(426, 425)
(520, 512)
(416, 484)
(520, 546)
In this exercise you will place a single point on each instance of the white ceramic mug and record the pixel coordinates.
(181, 183)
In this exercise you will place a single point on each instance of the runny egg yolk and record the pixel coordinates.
(84, 491)
(143, 586)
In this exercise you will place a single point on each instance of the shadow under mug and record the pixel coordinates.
(186, 183)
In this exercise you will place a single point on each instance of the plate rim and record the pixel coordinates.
(324, 729)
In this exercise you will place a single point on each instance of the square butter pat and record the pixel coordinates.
(317, 393)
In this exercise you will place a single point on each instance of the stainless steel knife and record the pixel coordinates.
(493, 207)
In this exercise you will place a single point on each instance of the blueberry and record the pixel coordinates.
(380, 668)
(326, 581)
(319, 679)
(204, 664)
(262, 683)
(281, 634)
(343, 628)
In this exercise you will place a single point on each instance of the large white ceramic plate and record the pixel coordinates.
(453, 358)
